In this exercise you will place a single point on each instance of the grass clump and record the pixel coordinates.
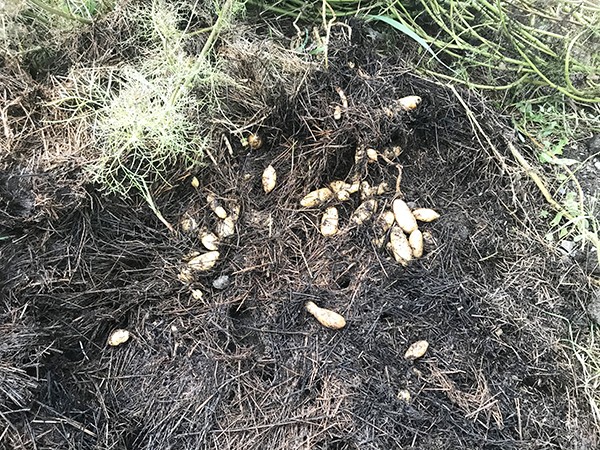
(149, 116)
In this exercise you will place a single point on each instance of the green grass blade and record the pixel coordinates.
(407, 31)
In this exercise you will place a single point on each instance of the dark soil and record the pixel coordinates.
(247, 367)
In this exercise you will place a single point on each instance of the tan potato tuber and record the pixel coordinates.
(416, 350)
(215, 206)
(326, 317)
(209, 240)
(329, 222)
(425, 214)
(188, 224)
(118, 337)
(372, 154)
(364, 212)
(404, 216)
(409, 103)
(400, 246)
(416, 243)
(317, 198)
(337, 112)
(255, 141)
(225, 228)
(269, 179)
(203, 262)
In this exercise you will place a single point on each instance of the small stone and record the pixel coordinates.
(221, 282)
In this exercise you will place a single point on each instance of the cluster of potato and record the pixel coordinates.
(225, 227)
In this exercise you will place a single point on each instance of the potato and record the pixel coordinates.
(392, 152)
(354, 188)
(416, 243)
(195, 183)
(329, 222)
(225, 228)
(404, 217)
(425, 214)
(188, 224)
(416, 350)
(409, 103)
(317, 198)
(404, 395)
(197, 294)
(216, 207)
(203, 262)
(326, 317)
(269, 179)
(343, 196)
(235, 210)
(338, 185)
(255, 141)
(364, 212)
(384, 222)
(381, 226)
(337, 112)
(185, 276)
(400, 246)
(341, 190)
(366, 191)
(383, 188)
(372, 154)
(118, 337)
(209, 240)
(359, 156)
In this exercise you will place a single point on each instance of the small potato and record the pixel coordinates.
(209, 240)
(384, 222)
(225, 228)
(339, 185)
(354, 188)
(317, 198)
(343, 196)
(392, 152)
(203, 262)
(185, 276)
(404, 395)
(195, 183)
(359, 156)
(381, 226)
(416, 350)
(216, 207)
(118, 337)
(329, 222)
(364, 212)
(404, 217)
(337, 112)
(425, 214)
(409, 103)
(269, 179)
(416, 243)
(400, 246)
(255, 141)
(188, 224)
(235, 210)
(383, 188)
(372, 154)
(326, 317)
(366, 191)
